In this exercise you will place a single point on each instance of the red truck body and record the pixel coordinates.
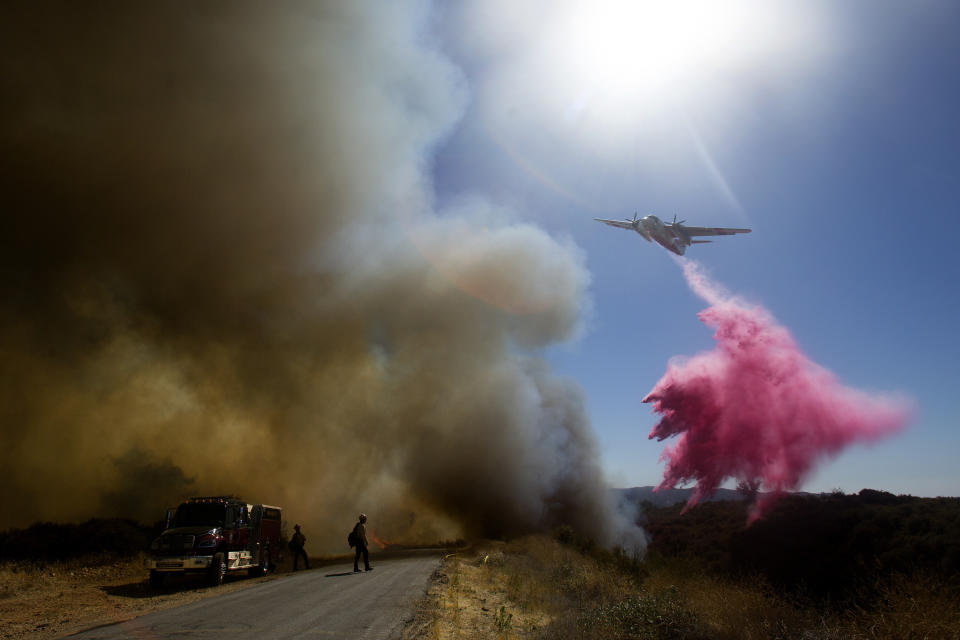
(216, 535)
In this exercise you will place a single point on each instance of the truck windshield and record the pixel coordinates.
(194, 514)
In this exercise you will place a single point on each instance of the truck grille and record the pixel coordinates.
(177, 542)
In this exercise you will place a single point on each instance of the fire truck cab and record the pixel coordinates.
(214, 535)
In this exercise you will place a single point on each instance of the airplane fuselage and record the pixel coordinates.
(652, 228)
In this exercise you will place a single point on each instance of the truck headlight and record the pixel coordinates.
(156, 544)
(207, 542)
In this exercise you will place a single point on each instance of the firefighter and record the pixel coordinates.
(360, 531)
(296, 546)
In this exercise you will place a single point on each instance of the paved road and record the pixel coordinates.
(330, 602)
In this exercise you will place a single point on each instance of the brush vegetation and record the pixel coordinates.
(868, 566)
(831, 547)
(57, 542)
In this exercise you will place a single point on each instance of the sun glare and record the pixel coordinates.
(622, 46)
(612, 59)
(633, 81)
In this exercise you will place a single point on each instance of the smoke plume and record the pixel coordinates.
(223, 271)
(755, 408)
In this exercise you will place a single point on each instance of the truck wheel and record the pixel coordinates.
(264, 567)
(218, 570)
(156, 579)
(267, 566)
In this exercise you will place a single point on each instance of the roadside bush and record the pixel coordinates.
(47, 541)
(663, 615)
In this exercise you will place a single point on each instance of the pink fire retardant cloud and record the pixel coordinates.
(755, 408)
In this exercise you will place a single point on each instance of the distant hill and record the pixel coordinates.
(668, 497)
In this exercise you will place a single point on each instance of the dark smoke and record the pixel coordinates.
(141, 482)
(219, 250)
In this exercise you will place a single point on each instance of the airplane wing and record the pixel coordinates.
(616, 223)
(711, 231)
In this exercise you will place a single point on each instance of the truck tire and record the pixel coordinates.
(256, 571)
(264, 567)
(267, 562)
(156, 579)
(218, 570)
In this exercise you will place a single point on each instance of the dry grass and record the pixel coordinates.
(918, 606)
(21, 579)
(469, 599)
(538, 588)
(746, 610)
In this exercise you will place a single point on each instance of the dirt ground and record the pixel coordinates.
(41, 601)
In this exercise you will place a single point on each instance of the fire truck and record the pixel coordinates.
(214, 535)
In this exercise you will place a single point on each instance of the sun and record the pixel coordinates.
(637, 83)
(624, 47)
(616, 60)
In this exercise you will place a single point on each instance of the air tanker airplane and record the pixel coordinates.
(673, 236)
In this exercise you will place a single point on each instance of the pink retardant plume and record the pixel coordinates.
(755, 408)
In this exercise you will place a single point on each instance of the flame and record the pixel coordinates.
(383, 544)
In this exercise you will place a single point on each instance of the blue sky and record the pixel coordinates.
(832, 130)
